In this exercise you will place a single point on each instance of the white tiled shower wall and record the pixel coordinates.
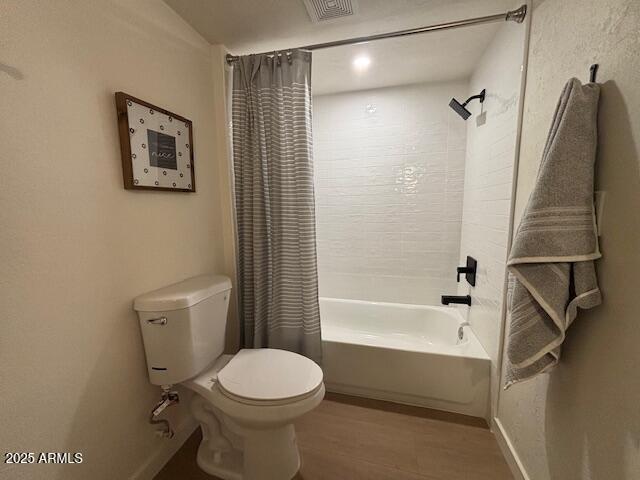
(389, 169)
(491, 151)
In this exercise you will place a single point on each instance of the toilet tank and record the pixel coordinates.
(183, 327)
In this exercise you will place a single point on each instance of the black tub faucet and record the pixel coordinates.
(461, 299)
(469, 271)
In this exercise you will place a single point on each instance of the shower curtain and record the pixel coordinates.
(273, 170)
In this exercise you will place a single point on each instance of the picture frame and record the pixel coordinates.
(156, 146)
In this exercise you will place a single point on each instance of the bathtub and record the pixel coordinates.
(404, 353)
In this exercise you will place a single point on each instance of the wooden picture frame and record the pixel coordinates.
(156, 146)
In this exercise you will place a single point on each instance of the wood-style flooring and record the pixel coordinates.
(350, 438)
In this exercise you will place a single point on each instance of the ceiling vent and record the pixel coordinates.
(322, 10)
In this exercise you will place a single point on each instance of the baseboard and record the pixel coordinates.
(160, 457)
(510, 455)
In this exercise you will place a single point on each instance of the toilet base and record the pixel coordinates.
(228, 465)
(233, 452)
(265, 459)
(271, 454)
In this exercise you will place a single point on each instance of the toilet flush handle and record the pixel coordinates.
(158, 321)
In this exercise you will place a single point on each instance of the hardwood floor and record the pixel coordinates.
(350, 438)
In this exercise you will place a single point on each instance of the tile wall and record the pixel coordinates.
(390, 166)
(488, 183)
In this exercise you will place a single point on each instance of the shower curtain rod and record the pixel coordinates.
(517, 16)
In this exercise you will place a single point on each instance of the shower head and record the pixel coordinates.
(460, 108)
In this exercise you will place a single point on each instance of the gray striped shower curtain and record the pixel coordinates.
(275, 208)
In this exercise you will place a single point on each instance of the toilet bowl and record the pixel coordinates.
(246, 403)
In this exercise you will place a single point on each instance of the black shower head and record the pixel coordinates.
(460, 108)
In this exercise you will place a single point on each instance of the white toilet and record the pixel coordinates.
(246, 403)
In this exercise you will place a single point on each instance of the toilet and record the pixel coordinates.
(245, 403)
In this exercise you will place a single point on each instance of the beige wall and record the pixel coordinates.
(75, 247)
(583, 420)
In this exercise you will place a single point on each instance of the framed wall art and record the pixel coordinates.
(156, 147)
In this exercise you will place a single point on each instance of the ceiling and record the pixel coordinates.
(252, 26)
(430, 57)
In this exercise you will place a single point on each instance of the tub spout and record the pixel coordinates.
(461, 299)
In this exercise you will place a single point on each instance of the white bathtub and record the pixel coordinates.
(404, 353)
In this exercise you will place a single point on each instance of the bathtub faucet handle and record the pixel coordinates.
(469, 271)
(462, 270)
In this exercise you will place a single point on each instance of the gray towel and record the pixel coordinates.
(551, 268)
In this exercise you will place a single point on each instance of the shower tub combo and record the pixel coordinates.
(404, 353)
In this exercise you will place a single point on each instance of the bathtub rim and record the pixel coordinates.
(474, 348)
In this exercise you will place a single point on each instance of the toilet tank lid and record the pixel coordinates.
(183, 294)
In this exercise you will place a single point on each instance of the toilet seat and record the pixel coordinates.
(269, 376)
